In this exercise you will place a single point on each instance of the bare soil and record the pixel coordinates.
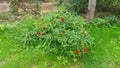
(4, 8)
(45, 7)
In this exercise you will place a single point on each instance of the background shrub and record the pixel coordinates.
(113, 20)
(108, 5)
(77, 6)
(80, 6)
(99, 22)
(106, 22)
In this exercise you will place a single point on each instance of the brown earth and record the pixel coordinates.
(45, 7)
(4, 8)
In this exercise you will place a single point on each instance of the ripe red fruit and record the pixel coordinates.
(62, 19)
(77, 51)
(84, 49)
(44, 27)
(39, 33)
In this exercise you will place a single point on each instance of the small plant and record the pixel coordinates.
(2, 27)
(5, 26)
(106, 22)
(14, 6)
(99, 22)
(113, 20)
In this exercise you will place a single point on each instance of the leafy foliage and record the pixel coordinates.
(102, 5)
(14, 6)
(106, 22)
(113, 20)
(2, 27)
(108, 5)
(98, 22)
(5, 26)
(77, 6)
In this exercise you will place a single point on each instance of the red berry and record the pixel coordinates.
(62, 19)
(77, 51)
(84, 49)
(39, 33)
(44, 27)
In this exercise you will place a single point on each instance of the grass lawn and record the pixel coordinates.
(105, 53)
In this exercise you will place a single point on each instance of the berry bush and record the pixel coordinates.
(61, 33)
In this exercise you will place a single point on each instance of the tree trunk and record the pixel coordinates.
(91, 10)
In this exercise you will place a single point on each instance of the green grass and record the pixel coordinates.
(105, 53)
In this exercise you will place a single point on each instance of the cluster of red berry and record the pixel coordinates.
(44, 27)
(40, 33)
(62, 19)
(84, 50)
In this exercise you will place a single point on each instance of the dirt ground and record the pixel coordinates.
(4, 8)
(45, 7)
